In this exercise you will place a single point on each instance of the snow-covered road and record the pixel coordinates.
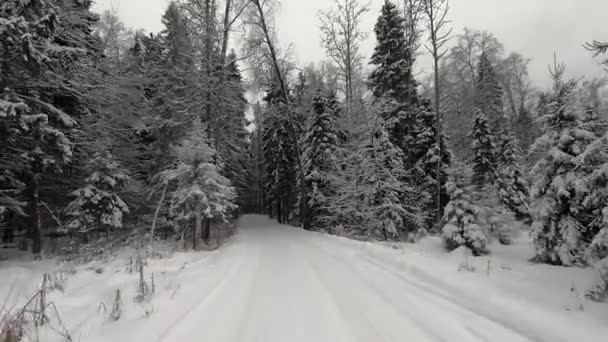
(274, 283)
(290, 285)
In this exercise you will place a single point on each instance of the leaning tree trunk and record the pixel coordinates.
(36, 220)
(160, 203)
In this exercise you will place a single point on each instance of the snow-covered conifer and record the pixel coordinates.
(200, 190)
(511, 185)
(424, 153)
(558, 190)
(395, 203)
(393, 58)
(461, 227)
(488, 95)
(484, 158)
(392, 80)
(319, 148)
(41, 41)
(280, 162)
(97, 204)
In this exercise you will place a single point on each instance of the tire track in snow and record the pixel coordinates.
(353, 307)
(287, 302)
(200, 302)
(380, 294)
(439, 296)
(459, 306)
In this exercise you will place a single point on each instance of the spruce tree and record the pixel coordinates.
(592, 210)
(97, 204)
(484, 162)
(395, 204)
(320, 143)
(511, 185)
(560, 225)
(488, 95)
(393, 58)
(232, 145)
(462, 228)
(280, 159)
(423, 150)
(174, 84)
(392, 81)
(201, 192)
(176, 38)
(36, 47)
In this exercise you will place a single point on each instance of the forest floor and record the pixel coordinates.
(274, 283)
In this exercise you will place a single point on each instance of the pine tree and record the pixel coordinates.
(97, 204)
(560, 226)
(320, 143)
(462, 228)
(483, 150)
(488, 96)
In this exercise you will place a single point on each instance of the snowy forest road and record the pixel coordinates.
(276, 284)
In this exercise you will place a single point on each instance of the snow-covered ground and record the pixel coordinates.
(274, 283)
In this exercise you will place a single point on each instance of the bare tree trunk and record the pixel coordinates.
(207, 230)
(436, 12)
(211, 129)
(197, 226)
(222, 76)
(438, 138)
(36, 220)
(271, 48)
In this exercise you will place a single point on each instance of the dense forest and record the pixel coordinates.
(109, 133)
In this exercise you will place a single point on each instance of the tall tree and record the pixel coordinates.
(393, 59)
(232, 142)
(116, 37)
(174, 84)
(38, 90)
(488, 94)
(512, 186)
(395, 210)
(427, 156)
(436, 12)
(320, 143)
(484, 160)
(341, 37)
(259, 14)
(392, 81)
(561, 228)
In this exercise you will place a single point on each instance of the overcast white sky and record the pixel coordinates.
(535, 28)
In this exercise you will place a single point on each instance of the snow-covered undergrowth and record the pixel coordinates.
(86, 295)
